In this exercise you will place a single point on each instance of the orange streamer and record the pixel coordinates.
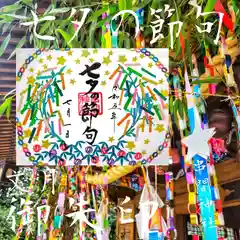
(114, 73)
(26, 117)
(63, 81)
(39, 127)
(123, 119)
(50, 106)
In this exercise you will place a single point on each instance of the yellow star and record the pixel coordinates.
(103, 83)
(107, 73)
(122, 59)
(69, 71)
(134, 59)
(106, 60)
(41, 60)
(91, 60)
(141, 55)
(49, 57)
(150, 65)
(31, 80)
(45, 144)
(159, 128)
(72, 81)
(85, 53)
(77, 61)
(45, 66)
(146, 141)
(69, 53)
(95, 51)
(61, 60)
(111, 139)
(130, 145)
(31, 70)
(144, 152)
(27, 133)
(110, 53)
(161, 81)
(35, 138)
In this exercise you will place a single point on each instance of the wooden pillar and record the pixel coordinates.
(181, 226)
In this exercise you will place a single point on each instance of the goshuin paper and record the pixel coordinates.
(92, 106)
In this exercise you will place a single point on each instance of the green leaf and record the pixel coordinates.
(11, 8)
(19, 45)
(141, 5)
(96, 14)
(180, 110)
(44, 26)
(6, 107)
(90, 39)
(122, 5)
(154, 5)
(210, 5)
(5, 44)
(59, 10)
(65, 36)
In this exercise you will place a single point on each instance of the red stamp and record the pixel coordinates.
(92, 100)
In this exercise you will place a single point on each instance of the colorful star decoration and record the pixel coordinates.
(31, 80)
(61, 60)
(85, 53)
(77, 61)
(111, 139)
(146, 141)
(72, 81)
(106, 60)
(197, 142)
(45, 144)
(130, 145)
(69, 71)
(122, 59)
(159, 128)
(103, 83)
(49, 57)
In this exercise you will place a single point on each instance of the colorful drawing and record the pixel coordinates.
(92, 107)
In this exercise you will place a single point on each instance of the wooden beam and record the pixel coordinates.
(2, 60)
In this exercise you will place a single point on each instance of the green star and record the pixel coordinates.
(103, 83)
(146, 141)
(134, 59)
(110, 53)
(107, 73)
(91, 60)
(72, 81)
(159, 128)
(130, 145)
(111, 139)
(161, 81)
(141, 56)
(41, 60)
(61, 60)
(31, 70)
(122, 59)
(106, 60)
(77, 61)
(69, 71)
(150, 65)
(49, 57)
(95, 51)
(85, 53)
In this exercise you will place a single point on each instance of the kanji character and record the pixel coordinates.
(35, 22)
(208, 24)
(158, 24)
(92, 83)
(91, 134)
(17, 179)
(81, 217)
(89, 109)
(68, 102)
(199, 166)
